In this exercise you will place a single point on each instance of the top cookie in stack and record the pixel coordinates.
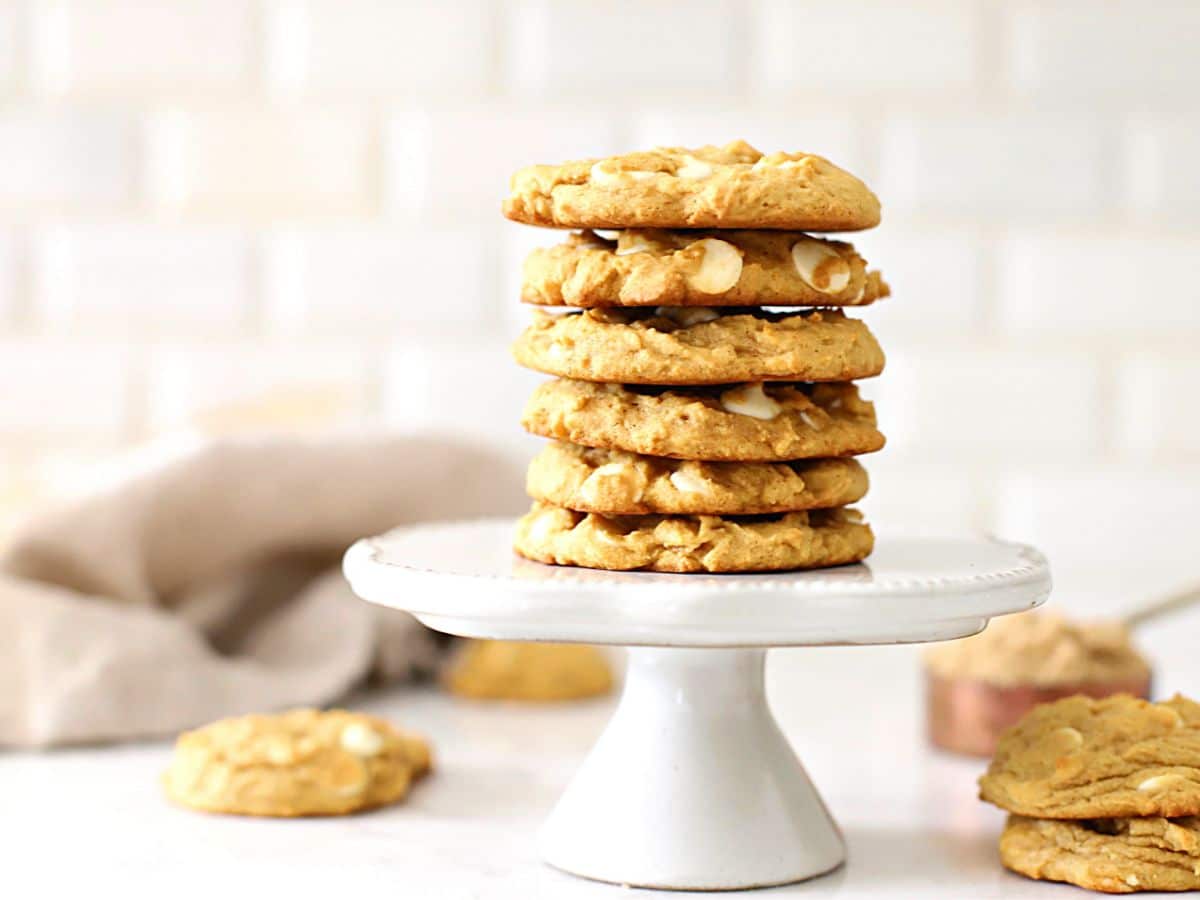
(693, 430)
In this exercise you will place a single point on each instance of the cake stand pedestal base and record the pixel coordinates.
(692, 784)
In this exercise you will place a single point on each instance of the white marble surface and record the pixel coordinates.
(82, 820)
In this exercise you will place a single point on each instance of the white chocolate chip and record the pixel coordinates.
(820, 266)
(1132, 880)
(624, 481)
(687, 315)
(720, 267)
(606, 173)
(853, 515)
(808, 420)
(361, 740)
(750, 400)
(1161, 782)
(543, 526)
(634, 242)
(688, 482)
(607, 234)
(1068, 736)
(694, 168)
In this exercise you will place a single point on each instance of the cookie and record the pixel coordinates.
(639, 267)
(734, 186)
(1080, 758)
(300, 763)
(1118, 856)
(511, 670)
(590, 479)
(699, 345)
(738, 423)
(798, 540)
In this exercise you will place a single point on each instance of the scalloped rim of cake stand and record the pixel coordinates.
(462, 578)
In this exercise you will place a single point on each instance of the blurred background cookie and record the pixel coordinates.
(508, 670)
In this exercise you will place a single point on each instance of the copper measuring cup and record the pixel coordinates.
(967, 715)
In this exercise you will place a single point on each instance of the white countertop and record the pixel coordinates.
(82, 819)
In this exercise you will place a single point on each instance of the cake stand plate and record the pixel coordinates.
(692, 785)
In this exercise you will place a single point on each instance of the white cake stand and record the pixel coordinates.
(693, 785)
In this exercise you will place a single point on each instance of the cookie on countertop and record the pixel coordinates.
(699, 345)
(735, 423)
(523, 670)
(798, 540)
(304, 762)
(734, 186)
(1080, 758)
(591, 479)
(1117, 856)
(648, 267)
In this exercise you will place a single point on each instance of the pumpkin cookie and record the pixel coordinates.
(590, 479)
(300, 763)
(514, 670)
(798, 540)
(1118, 856)
(1080, 758)
(738, 423)
(734, 186)
(699, 345)
(639, 267)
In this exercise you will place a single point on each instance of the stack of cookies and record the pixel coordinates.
(693, 430)
(1104, 794)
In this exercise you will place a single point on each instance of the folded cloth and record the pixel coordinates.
(207, 583)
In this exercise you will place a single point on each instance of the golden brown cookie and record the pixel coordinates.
(591, 479)
(640, 267)
(300, 763)
(1080, 758)
(699, 345)
(512, 670)
(798, 540)
(737, 423)
(734, 186)
(1118, 856)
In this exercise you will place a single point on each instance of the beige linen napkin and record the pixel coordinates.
(207, 584)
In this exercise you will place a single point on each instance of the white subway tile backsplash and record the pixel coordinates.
(1104, 284)
(11, 257)
(621, 48)
(139, 279)
(452, 164)
(301, 197)
(951, 401)
(10, 29)
(1160, 169)
(1115, 536)
(255, 164)
(134, 47)
(865, 47)
(988, 168)
(1158, 404)
(921, 500)
(469, 387)
(1121, 49)
(365, 280)
(67, 160)
(363, 47)
(937, 279)
(63, 389)
(239, 385)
